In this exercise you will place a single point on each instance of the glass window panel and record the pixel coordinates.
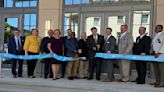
(26, 3)
(27, 28)
(115, 22)
(92, 22)
(32, 27)
(8, 3)
(137, 18)
(141, 18)
(33, 19)
(68, 2)
(33, 3)
(12, 22)
(65, 29)
(76, 1)
(85, 1)
(18, 4)
(135, 31)
(27, 19)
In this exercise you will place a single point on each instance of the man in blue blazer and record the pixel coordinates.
(15, 46)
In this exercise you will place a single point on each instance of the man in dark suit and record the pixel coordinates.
(109, 47)
(95, 43)
(142, 47)
(44, 49)
(15, 46)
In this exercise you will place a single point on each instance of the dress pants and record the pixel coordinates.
(161, 67)
(141, 70)
(31, 65)
(110, 69)
(47, 68)
(63, 69)
(83, 69)
(73, 67)
(157, 71)
(125, 69)
(14, 65)
(95, 63)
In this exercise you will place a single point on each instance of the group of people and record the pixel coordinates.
(70, 46)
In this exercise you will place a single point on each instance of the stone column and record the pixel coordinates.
(49, 17)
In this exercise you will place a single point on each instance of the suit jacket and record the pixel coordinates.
(142, 45)
(91, 44)
(125, 44)
(110, 44)
(44, 43)
(71, 45)
(83, 46)
(12, 48)
(158, 41)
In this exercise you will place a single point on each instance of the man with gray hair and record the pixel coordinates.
(142, 47)
(125, 45)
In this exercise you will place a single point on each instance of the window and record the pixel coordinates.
(141, 18)
(8, 3)
(71, 2)
(30, 21)
(71, 20)
(26, 3)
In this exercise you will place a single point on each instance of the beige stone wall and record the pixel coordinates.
(159, 12)
(49, 10)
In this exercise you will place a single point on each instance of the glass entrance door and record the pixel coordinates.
(9, 24)
(102, 21)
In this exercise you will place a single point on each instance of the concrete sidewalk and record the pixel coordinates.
(76, 85)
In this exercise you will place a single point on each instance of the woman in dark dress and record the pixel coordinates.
(55, 46)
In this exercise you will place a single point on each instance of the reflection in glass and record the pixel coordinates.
(115, 22)
(92, 22)
(71, 20)
(30, 21)
(68, 2)
(8, 3)
(141, 18)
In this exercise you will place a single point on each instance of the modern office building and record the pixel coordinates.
(80, 15)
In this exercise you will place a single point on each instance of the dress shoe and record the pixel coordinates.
(31, 76)
(90, 78)
(76, 77)
(97, 78)
(20, 76)
(159, 85)
(123, 80)
(14, 76)
(70, 78)
(107, 81)
(140, 83)
(155, 83)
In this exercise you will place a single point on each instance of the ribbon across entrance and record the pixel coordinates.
(130, 57)
(99, 55)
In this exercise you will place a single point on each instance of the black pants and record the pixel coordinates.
(47, 68)
(141, 70)
(31, 65)
(14, 65)
(95, 63)
(63, 68)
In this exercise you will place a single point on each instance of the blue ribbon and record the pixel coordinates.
(130, 57)
(40, 56)
(99, 55)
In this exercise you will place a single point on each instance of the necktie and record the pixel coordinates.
(19, 44)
